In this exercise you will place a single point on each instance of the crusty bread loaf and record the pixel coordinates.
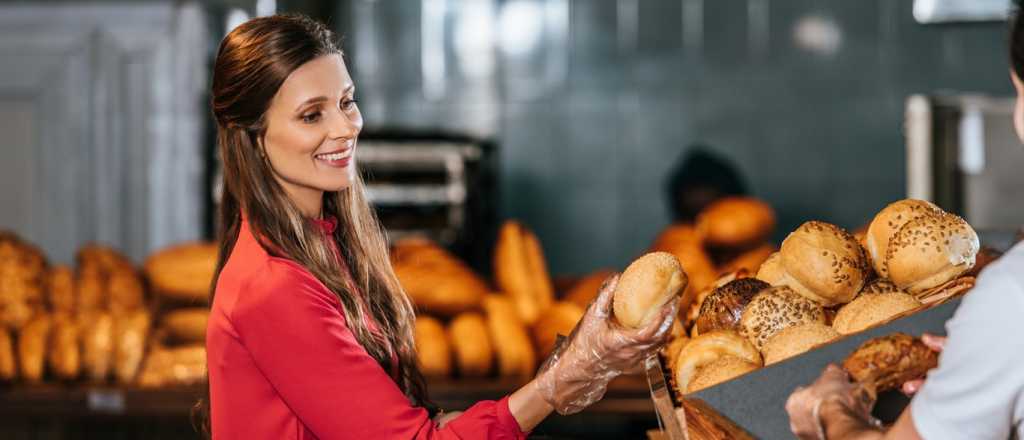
(8, 363)
(33, 343)
(750, 260)
(560, 319)
(65, 357)
(131, 331)
(515, 353)
(645, 286)
(886, 362)
(521, 272)
(60, 289)
(186, 325)
(471, 342)
(97, 345)
(435, 280)
(433, 352)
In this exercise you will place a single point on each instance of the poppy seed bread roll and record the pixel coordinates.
(824, 263)
(888, 222)
(645, 286)
(775, 309)
(930, 251)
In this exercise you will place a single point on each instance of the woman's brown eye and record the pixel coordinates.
(349, 105)
(311, 118)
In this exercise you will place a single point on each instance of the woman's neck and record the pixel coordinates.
(310, 201)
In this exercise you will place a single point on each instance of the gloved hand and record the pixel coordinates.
(578, 371)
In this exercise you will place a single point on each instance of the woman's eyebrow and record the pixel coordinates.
(322, 98)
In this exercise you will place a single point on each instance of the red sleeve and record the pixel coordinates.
(296, 334)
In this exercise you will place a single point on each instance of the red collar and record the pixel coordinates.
(327, 224)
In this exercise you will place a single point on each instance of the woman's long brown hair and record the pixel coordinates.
(252, 63)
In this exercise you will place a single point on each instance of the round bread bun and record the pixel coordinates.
(432, 349)
(706, 349)
(560, 319)
(772, 272)
(888, 222)
(732, 222)
(930, 251)
(824, 263)
(693, 311)
(724, 306)
(795, 340)
(645, 286)
(751, 260)
(183, 272)
(872, 308)
(775, 309)
(721, 370)
(187, 325)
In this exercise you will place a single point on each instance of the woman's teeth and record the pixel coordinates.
(333, 156)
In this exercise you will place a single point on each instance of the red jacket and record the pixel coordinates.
(283, 364)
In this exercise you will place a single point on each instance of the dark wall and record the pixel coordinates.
(592, 118)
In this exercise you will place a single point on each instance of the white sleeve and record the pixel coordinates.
(975, 392)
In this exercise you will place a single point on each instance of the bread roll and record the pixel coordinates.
(736, 222)
(65, 357)
(929, 251)
(515, 353)
(183, 272)
(33, 341)
(187, 325)
(775, 309)
(686, 245)
(520, 271)
(824, 263)
(22, 268)
(8, 365)
(90, 291)
(97, 345)
(772, 271)
(60, 289)
(885, 363)
(645, 286)
(471, 343)
(721, 370)
(435, 280)
(871, 309)
(106, 258)
(888, 222)
(722, 309)
(795, 340)
(751, 260)
(131, 331)
(125, 291)
(432, 349)
(693, 311)
(560, 319)
(708, 348)
(587, 288)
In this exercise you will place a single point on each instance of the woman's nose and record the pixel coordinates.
(343, 126)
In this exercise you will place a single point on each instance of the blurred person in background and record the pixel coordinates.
(699, 178)
(977, 390)
(310, 334)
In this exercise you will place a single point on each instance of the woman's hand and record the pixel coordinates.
(936, 343)
(832, 387)
(599, 349)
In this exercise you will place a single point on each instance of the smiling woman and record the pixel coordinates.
(298, 345)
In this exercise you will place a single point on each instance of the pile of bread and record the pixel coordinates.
(823, 283)
(92, 322)
(468, 327)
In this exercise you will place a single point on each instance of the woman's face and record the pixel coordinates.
(312, 127)
(1018, 109)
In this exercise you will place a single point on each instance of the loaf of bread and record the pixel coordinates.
(183, 272)
(644, 288)
(186, 325)
(885, 363)
(184, 365)
(586, 289)
(22, 268)
(750, 260)
(131, 331)
(33, 342)
(521, 272)
(8, 365)
(125, 291)
(515, 353)
(435, 280)
(65, 357)
(433, 352)
(60, 289)
(560, 319)
(471, 342)
(97, 345)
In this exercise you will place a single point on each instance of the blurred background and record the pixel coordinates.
(585, 120)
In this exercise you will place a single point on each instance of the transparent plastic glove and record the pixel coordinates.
(804, 405)
(599, 349)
